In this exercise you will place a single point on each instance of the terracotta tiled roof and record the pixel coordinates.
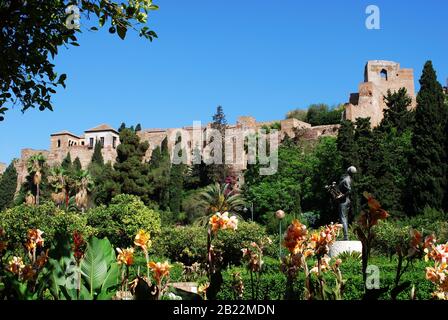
(64, 132)
(102, 127)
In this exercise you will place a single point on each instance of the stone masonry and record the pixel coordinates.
(379, 76)
(82, 146)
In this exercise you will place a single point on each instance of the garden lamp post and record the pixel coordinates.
(251, 210)
(280, 214)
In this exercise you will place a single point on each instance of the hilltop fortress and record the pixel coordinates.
(379, 76)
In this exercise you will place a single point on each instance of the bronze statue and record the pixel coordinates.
(342, 195)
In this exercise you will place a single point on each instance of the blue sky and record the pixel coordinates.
(259, 58)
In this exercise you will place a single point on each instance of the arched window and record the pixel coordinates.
(383, 74)
(59, 143)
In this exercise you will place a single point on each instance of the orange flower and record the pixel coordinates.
(222, 221)
(160, 270)
(16, 265)
(28, 272)
(320, 241)
(416, 238)
(375, 213)
(34, 239)
(142, 240)
(295, 236)
(41, 260)
(125, 256)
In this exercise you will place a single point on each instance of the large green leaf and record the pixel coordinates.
(99, 268)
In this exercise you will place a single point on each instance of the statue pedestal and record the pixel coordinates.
(339, 247)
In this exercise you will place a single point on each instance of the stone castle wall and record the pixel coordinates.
(379, 77)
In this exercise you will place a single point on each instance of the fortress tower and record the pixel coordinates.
(379, 76)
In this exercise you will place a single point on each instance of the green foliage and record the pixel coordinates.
(299, 114)
(346, 144)
(176, 187)
(186, 244)
(8, 184)
(131, 174)
(279, 191)
(273, 282)
(122, 219)
(77, 164)
(96, 276)
(230, 242)
(27, 71)
(397, 115)
(321, 114)
(47, 217)
(428, 163)
(67, 162)
(97, 157)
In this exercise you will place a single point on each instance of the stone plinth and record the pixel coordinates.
(345, 246)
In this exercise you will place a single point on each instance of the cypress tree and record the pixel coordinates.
(131, 173)
(77, 164)
(176, 186)
(97, 157)
(138, 127)
(67, 162)
(8, 184)
(346, 144)
(428, 162)
(122, 126)
(217, 172)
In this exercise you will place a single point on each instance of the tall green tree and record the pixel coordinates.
(217, 172)
(77, 166)
(160, 164)
(35, 168)
(97, 157)
(32, 31)
(346, 144)
(8, 185)
(397, 115)
(428, 180)
(131, 172)
(67, 162)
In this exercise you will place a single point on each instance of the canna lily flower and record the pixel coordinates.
(34, 239)
(28, 273)
(374, 214)
(222, 221)
(125, 256)
(41, 260)
(160, 270)
(16, 265)
(295, 236)
(142, 240)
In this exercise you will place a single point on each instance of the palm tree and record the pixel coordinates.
(35, 166)
(59, 181)
(84, 185)
(220, 198)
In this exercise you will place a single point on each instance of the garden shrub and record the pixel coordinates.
(122, 219)
(230, 242)
(47, 217)
(186, 244)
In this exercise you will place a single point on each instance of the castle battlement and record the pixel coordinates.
(379, 77)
